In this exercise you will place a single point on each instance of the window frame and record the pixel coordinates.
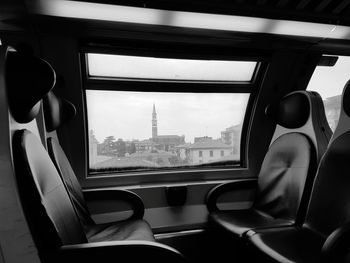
(171, 175)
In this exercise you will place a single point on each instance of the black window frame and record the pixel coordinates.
(172, 174)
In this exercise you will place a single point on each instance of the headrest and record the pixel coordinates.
(291, 112)
(57, 111)
(346, 98)
(28, 79)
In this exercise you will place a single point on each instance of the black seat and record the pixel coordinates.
(325, 234)
(57, 111)
(287, 172)
(56, 229)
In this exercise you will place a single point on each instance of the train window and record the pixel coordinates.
(169, 69)
(142, 128)
(329, 83)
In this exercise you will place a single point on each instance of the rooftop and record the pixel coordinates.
(185, 145)
(169, 136)
(209, 144)
(144, 142)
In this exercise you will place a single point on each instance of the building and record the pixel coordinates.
(145, 145)
(232, 136)
(154, 123)
(207, 151)
(183, 151)
(168, 142)
(162, 142)
(199, 139)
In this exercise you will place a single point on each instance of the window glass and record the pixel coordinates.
(119, 66)
(133, 131)
(329, 83)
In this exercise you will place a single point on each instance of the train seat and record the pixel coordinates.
(284, 183)
(325, 235)
(56, 229)
(57, 111)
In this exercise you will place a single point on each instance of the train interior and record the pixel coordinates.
(174, 131)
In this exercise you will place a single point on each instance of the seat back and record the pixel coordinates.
(45, 199)
(329, 206)
(66, 172)
(57, 111)
(288, 169)
(46, 203)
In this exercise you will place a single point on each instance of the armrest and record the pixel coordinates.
(116, 251)
(123, 195)
(217, 191)
(336, 248)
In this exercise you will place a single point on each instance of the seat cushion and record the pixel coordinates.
(239, 222)
(133, 230)
(289, 244)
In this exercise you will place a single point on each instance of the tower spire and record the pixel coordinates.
(154, 123)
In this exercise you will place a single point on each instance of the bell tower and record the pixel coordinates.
(154, 123)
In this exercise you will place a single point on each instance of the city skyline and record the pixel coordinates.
(128, 115)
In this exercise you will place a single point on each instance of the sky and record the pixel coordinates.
(104, 65)
(128, 115)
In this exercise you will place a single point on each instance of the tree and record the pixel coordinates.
(132, 148)
(108, 146)
(121, 148)
(174, 160)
